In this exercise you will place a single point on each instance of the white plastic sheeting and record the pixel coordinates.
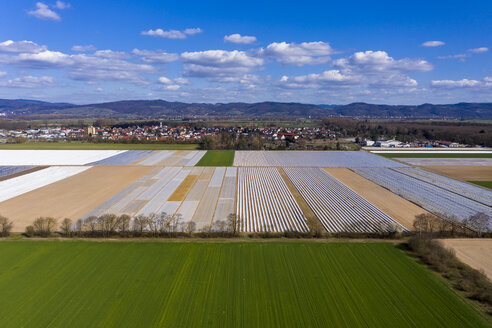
(265, 203)
(54, 157)
(312, 159)
(20, 185)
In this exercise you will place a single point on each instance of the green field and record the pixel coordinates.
(217, 158)
(219, 284)
(434, 155)
(486, 184)
(98, 146)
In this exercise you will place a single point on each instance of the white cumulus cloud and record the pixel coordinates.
(86, 48)
(463, 83)
(172, 34)
(156, 56)
(305, 53)
(238, 38)
(433, 44)
(20, 47)
(43, 12)
(478, 50)
(28, 82)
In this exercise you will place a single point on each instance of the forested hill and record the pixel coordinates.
(162, 108)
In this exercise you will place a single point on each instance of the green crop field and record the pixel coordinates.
(486, 184)
(464, 154)
(98, 146)
(219, 284)
(217, 158)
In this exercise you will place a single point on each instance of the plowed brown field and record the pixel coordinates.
(72, 197)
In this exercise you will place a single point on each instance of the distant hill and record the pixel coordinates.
(162, 108)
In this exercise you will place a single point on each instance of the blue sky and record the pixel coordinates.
(213, 51)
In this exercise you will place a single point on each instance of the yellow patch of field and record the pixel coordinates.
(474, 252)
(180, 193)
(395, 206)
(71, 197)
(463, 172)
(312, 220)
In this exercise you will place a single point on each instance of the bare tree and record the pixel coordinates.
(192, 227)
(423, 223)
(5, 226)
(219, 226)
(174, 222)
(123, 223)
(140, 223)
(232, 223)
(90, 224)
(66, 227)
(44, 226)
(479, 222)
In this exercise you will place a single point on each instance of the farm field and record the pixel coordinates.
(217, 158)
(97, 146)
(474, 252)
(312, 159)
(337, 206)
(463, 172)
(71, 197)
(447, 161)
(54, 157)
(430, 195)
(437, 154)
(395, 206)
(486, 184)
(268, 191)
(172, 284)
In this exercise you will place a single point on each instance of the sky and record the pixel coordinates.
(321, 52)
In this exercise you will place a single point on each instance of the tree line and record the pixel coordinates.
(406, 131)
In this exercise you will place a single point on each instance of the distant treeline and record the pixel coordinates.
(461, 132)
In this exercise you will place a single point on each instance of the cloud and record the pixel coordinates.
(2, 74)
(432, 44)
(221, 58)
(101, 66)
(10, 46)
(89, 47)
(330, 77)
(469, 53)
(478, 50)
(155, 56)
(172, 34)
(61, 5)
(173, 87)
(165, 80)
(463, 83)
(28, 82)
(305, 53)
(111, 54)
(43, 12)
(363, 70)
(219, 65)
(182, 80)
(380, 61)
(238, 38)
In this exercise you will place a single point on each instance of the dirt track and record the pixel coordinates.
(477, 253)
(71, 197)
(395, 206)
(463, 172)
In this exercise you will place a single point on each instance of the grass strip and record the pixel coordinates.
(217, 158)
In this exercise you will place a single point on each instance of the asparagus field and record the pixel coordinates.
(282, 284)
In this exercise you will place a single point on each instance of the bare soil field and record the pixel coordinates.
(477, 253)
(462, 172)
(395, 206)
(179, 194)
(72, 197)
